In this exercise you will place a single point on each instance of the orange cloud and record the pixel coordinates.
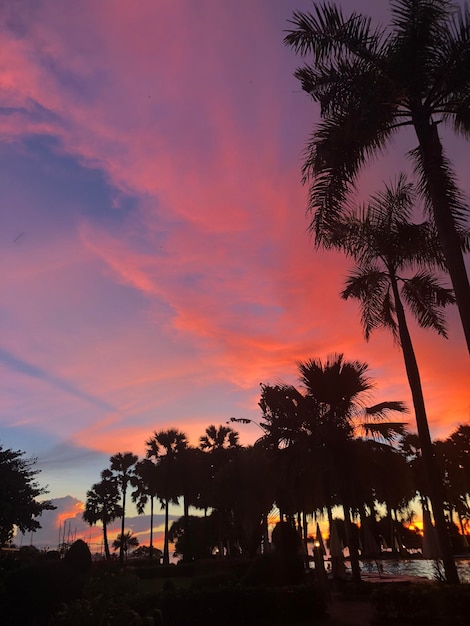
(75, 510)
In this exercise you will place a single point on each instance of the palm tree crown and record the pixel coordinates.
(393, 257)
(218, 437)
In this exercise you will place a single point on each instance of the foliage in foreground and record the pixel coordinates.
(430, 604)
(113, 597)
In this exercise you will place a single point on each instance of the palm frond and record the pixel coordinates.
(388, 431)
(456, 200)
(333, 158)
(450, 90)
(381, 409)
(325, 30)
(427, 299)
(369, 285)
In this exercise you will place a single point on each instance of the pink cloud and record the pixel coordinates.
(174, 312)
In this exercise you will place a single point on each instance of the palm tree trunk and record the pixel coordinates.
(105, 541)
(151, 526)
(434, 166)
(431, 472)
(187, 556)
(305, 533)
(121, 548)
(352, 543)
(166, 554)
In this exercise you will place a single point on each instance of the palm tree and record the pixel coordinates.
(102, 505)
(146, 483)
(124, 541)
(219, 437)
(370, 82)
(123, 467)
(386, 246)
(339, 389)
(318, 427)
(164, 446)
(454, 456)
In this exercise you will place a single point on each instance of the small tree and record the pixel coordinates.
(124, 541)
(18, 492)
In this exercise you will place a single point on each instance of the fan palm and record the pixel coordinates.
(218, 437)
(164, 446)
(146, 483)
(386, 246)
(370, 82)
(125, 541)
(123, 467)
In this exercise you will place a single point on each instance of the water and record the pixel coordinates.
(415, 567)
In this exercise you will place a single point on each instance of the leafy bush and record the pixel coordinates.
(430, 604)
(231, 606)
(239, 605)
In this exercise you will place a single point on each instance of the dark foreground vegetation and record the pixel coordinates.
(49, 592)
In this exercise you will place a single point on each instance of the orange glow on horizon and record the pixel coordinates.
(69, 514)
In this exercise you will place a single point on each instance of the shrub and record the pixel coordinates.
(430, 604)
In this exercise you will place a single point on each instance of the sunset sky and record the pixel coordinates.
(155, 260)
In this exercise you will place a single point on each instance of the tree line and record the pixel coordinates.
(321, 447)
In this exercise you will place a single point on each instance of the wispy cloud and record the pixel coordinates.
(151, 153)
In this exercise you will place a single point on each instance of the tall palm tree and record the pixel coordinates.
(340, 389)
(391, 255)
(146, 483)
(318, 426)
(123, 467)
(102, 505)
(369, 83)
(164, 446)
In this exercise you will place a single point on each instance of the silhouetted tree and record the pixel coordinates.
(125, 542)
(388, 248)
(219, 437)
(146, 483)
(102, 505)
(370, 82)
(19, 491)
(164, 446)
(339, 388)
(123, 467)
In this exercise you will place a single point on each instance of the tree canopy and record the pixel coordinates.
(19, 491)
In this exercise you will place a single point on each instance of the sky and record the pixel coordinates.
(155, 260)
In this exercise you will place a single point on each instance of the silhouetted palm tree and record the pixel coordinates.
(164, 446)
(102, 505)
(369, 83)
(123, 467)
(453, 455)
(392, 254)
(319, 426)
(146, 483)
(339, 389)
(125, 541)
(219, 437)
